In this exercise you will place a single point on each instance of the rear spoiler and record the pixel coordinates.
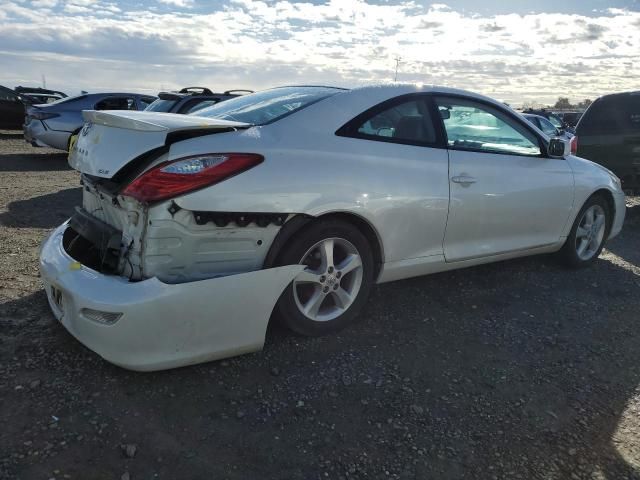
(132, 120)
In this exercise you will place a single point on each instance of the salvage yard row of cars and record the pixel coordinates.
(303, 198)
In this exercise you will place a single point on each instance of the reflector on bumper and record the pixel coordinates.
(161, 325)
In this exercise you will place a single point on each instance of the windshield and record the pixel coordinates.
(267, 106)
(160, 105)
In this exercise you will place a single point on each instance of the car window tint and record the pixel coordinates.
(612, 115)
(407, 121)
(474, 126)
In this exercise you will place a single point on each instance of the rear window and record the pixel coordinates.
(160, 105)
(267, 106)
(619, 114)
(68, 99)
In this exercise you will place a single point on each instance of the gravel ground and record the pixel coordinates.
(520, 369)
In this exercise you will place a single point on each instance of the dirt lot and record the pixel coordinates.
(514, 370)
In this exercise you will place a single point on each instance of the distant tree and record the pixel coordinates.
(563, 102)
(584, 104)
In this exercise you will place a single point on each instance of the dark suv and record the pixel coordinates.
(191, 99)
(609, 134)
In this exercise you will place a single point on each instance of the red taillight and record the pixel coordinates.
(574, 145)
(177, 177)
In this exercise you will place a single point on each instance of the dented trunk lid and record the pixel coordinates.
(110, 140)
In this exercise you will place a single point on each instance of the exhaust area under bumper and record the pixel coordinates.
(151, 325)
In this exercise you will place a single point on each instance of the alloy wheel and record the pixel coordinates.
(331, 282)
(590, 232)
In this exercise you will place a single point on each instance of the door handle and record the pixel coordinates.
(464, 180)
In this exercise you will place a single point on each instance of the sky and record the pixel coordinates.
(517, 51)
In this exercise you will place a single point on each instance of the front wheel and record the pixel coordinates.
(335, 284)
(588, 234)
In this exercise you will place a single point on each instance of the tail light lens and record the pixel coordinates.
(39, 115)
(177, 177)
(574, 145)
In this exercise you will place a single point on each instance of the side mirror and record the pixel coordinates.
(559, 148)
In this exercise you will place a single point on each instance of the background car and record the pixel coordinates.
(546, 126)
(609, 134)
(54, 124)
(36, 95)
(304, 197)
(12, 109)
(191, 99)
(552, 117)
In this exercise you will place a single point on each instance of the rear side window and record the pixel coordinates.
(116, 103)
(405, 121)
(619, 114)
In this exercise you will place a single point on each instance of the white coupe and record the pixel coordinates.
(293, 201)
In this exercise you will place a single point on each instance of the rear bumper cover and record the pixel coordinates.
(162, 325)
(37, 134)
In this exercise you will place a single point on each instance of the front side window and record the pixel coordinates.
(471, 125)
(406, 122)
(267, 106)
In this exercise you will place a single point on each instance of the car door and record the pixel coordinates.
(401, 158)
(11, 109)
(506, 195)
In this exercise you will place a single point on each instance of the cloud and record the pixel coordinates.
(178, 3)
(257, 44)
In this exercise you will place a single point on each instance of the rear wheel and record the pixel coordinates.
(336, 282)
(588, 234)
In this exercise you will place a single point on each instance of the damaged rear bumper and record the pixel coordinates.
(159, 325)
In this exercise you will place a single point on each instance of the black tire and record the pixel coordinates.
(293, 252)
(568, 255)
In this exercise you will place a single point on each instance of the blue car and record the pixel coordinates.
(54, 124)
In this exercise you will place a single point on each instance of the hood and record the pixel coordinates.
(110, 140)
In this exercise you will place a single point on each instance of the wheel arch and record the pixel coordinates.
(300, 222)
(608, 196)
